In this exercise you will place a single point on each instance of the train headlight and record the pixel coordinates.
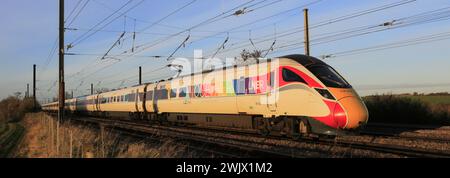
(325, 93)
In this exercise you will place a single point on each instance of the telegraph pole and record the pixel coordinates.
(306, 32)
(140, 75)
(61, 61)
(34, 87)
(61, 73)
(92, 88)
(27, 95)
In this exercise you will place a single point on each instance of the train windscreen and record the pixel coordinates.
(329, 77)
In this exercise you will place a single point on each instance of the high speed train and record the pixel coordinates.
(300, 95)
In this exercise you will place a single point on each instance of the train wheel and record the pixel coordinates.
(264, 131)
(300, 128)
(262, 126)
(303, 127)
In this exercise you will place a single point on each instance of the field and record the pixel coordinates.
(409, 109)
(10, 136)
(431, 99)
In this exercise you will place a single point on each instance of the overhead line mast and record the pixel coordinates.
(61, 97)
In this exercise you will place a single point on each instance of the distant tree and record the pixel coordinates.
(102, 90)
(17, 94)
(68, 95)
(14, 108)
(248, 57)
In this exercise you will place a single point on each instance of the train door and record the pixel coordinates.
(98, 102)
(137, 100)
(272, 86)
(155, 98)
(186, 84)
(144, 99)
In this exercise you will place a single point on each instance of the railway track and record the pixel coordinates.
(406, 126)
(199, 142)
(408, 132)
(237, 143)
(408, 137)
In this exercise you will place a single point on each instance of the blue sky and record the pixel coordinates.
(29, 29)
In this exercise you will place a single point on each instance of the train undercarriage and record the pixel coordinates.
(293, 127)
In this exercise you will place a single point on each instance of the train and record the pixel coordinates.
(300, 95)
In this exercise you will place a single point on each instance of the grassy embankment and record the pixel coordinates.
(10, 135)
(12, 109)
(80, 141)
(409, 109)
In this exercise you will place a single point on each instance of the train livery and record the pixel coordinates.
(297, 96)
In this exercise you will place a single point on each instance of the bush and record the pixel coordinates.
(13, 109)
(404, 110)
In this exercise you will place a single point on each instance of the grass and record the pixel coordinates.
(10, 136)
(432, 99)
(80, 141)
(405, 109)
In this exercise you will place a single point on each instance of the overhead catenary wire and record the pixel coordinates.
(274, 41)
(392, 45)
(91, 32)
(325, 22)
(55, 44)
(144, 47)
(73, 10)
(260, 19)
(134, 33)
(78, 13)
(428, 17)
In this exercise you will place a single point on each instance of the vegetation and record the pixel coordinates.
(12, 109)
(81, 141)
(408, 109)
(434, 98)
(10, 136)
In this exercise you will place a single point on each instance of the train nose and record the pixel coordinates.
(356, 111)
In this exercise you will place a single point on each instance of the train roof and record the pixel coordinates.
(304, 59)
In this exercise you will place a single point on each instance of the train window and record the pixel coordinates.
(164, 94)
(197, 91)
(272, 78)
(173, 93)
(141, 96)
(329, 77)
(130, 97)
(182, 92)
(290, 76)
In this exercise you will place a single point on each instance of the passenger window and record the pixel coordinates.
(131, 97)
(182, 92)
(197, 91)
(290, 76)
(162, 94)
(173, 93)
